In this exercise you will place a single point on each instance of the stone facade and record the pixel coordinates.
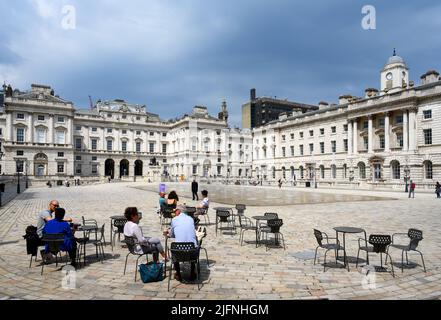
(385, 139)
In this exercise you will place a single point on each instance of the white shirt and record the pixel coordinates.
(133, 230)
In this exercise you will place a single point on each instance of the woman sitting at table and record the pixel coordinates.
(144, 245)
(172, 200)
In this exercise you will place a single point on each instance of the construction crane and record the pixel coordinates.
(91, 103)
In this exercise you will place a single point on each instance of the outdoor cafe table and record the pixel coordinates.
(348, 230)
(260, 218)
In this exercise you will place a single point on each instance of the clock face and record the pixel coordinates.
(389, 76)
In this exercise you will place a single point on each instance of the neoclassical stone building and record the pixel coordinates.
(44, 137)
(381, 140)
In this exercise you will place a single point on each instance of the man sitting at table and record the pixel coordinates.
(203, 206)
(59, 226)
(182, 230)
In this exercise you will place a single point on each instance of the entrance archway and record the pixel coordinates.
(109, 170)
(124, 169)
(40, 165)
(138, 168)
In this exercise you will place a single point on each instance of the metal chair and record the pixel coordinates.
(99, 245)
(320, 236)
(118, 229)
(32, 243)
(204, 213)
(131, 243)
(224, 217)
(381, 245)
(415, 236)
(201, 240)
(245, 225)
(273, 227)
(263, 226)
(366, 247)
(54, 242)
(185, 252)
(166, 214)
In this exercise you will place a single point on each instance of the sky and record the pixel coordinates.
(173, 55)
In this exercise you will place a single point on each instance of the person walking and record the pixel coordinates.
(194, 190)
(438, 190)
(412, 190)
(280, 183)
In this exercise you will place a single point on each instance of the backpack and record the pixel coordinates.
(152, 272)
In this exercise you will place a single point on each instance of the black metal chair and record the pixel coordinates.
(245, 225)
(166, 215)
(273, 227)
(132, 243)
(381, 245)
(184, 252)
(320, 236)
(263, 226)
(118, 229)
(201, 240)
(364, 247)
(415, 236)
(32, 243)
(223, 217)
(98, 242)
(54, 242)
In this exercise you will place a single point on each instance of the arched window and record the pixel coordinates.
(361, 170)
(334, 172)
(428, 170)
(322, 172)
(395, 170)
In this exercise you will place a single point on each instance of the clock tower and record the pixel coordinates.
(395, 75)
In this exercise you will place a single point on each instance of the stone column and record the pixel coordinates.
(9, 133)
(405, 131)
(103, 139)
(51, 129)
(355, 142)
(70, 132)
(350, 137)
(387, 132)
(31, 128)
(412, 130)
(371, 135)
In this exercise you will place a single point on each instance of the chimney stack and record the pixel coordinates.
(253, 94)
(430, 77)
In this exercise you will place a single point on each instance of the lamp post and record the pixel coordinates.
(27, 183)
(18, 178)
(2, 186)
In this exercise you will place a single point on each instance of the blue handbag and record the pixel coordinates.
(152, 272)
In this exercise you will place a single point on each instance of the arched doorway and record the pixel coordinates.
(138, 168)
(109, 170)
(124, 168)
(40, 165)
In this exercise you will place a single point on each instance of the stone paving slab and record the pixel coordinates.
(238, 272)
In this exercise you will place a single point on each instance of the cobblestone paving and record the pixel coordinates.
(237, 272)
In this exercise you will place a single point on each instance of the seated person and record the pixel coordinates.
(182, 229)
(172, 200)
(59, 226)
(46, 216)
(203, 206)
(145, 245)
(162, 202)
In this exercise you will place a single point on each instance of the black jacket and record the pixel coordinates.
(194, 186)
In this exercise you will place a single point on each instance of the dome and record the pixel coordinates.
(395, 60)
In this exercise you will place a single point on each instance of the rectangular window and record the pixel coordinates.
(345, 128)
(428, 136)
(124, 132)
(124, 117)
(94, 169)
(366, 125)
(311, 148)
(109, 145)
(60, 136)
(346, 145)
(138, 118)
(322, 147)
(61, 119)
(152, 134)
(138, 147)
(283, 138)
(301, 150)
(301, 135)
(400, 141)
(399, 120)
(152, 147)
(20, 116)
(322, 132)
(334, 129)
(20, 166)
(165, 134)
(311, 133)
(94, 129)
(20, 135)
(284, 152)
(94, 144)
(334, 146)
(292, 151)
(382, 142)
(78, 169)
(366, 143)
(124, 146)
(40, 118)
(109, 130)
(78, 158)
(41, 136)
(20, 153)
(381, 123)
(138, 133)
(78, 144)
(60, 154)
(195, 169)
(164, 148)
(78, 128)
(94, 158)
(427, 114)
(60, 167)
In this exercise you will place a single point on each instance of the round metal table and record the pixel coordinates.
(260, 218)
(348, 230)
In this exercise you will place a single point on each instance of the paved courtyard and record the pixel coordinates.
(237, 272)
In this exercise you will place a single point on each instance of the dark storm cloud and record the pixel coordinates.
(173, 55)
